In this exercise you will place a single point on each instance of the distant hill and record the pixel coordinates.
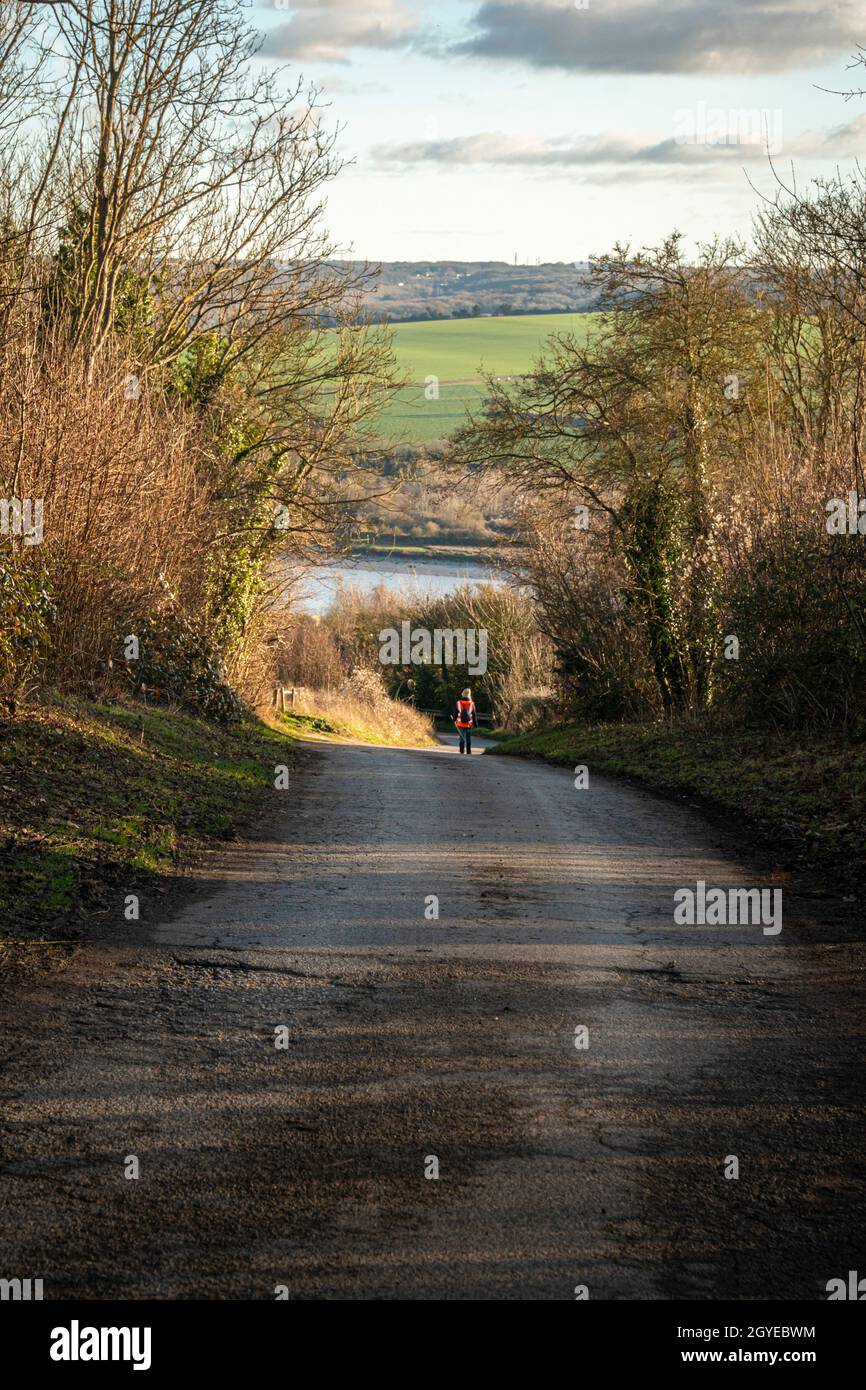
(408, 290)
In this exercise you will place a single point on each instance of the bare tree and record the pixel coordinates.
(810, 255)
(190, 167)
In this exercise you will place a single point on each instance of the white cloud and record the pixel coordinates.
(705, 140)
(327, 30)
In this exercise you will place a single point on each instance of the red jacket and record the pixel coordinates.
(465, 714)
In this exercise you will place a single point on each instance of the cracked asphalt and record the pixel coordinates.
(411, 1037)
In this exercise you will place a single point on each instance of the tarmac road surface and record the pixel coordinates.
(426, 936)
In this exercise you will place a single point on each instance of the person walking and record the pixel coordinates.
(465, 719)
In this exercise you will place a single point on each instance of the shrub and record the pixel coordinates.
(26, 614)
(799, 612)
(364, 685)
(179, 664)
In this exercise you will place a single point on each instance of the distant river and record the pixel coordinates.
(365, 572)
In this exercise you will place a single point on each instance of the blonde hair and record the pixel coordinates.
(467, 694)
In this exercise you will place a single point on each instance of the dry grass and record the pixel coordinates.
(385, 722)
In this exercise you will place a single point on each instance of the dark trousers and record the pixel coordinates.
(465, 738)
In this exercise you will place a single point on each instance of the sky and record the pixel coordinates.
(549, 130)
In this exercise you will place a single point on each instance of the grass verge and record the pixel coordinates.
(805, 795)
(101, 801)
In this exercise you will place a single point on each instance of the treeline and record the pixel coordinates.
(494, 647)
(414, 290)
(176, 404)
(692, 498)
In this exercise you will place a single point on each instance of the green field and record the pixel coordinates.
(459, 353)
